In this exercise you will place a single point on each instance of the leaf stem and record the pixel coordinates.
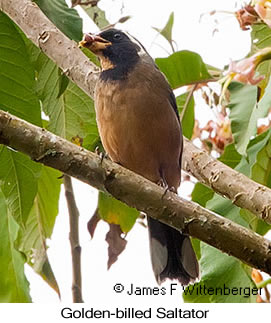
(264, 283)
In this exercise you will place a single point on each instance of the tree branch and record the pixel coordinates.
(136, 191)
(225, 181)
(240, 189)
(59, 48)
(74, 241)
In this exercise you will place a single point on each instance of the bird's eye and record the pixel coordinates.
(117, 36)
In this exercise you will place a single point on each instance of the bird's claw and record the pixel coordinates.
(101, 154)
(164, 185)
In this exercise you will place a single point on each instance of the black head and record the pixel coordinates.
(118, 52)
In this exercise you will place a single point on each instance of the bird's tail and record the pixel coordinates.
(172, 254)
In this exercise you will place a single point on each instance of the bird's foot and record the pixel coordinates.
(164, 185)
(101, 154)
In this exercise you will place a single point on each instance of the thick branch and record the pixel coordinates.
(226, 181)
(63, 51)
(222, 179)
(136, 191)
(74, 241)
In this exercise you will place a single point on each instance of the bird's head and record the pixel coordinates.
(116, 50)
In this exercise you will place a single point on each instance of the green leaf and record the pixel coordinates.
(40, 224)
(243, 114)
(80, 117)
(218, 269)
(166, 32)
(116, 212)
(18, 182)
(72, 113)
(188, 118)
(183, 68)
(97, 15)
(63, 83)
(14, 286)
(219, 278)
(257, 166)
(230, 156)
(202, 194)
(264, 104)
(196, 246)
(17, 75)
(261, 170)
(65, 18)
(260, 37)
(93, 58)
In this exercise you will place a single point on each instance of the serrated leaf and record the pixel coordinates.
(183, 68)
(18, 182)
(17, 75)
(71, 114)
(65, 18)
(80, 117)
(14, 287)
(39, 225)
(116, 212)
(188, 118)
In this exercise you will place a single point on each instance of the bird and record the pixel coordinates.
(140, 129)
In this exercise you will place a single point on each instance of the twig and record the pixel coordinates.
(136, 191)
(74, 241)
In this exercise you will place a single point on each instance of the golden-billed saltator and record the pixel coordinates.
(140, 129)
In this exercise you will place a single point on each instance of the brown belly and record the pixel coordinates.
(142, 135)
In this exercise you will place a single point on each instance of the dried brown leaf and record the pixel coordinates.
(116, 244)
(92, 223)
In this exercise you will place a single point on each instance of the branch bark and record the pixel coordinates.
(136, 191)
(240, 189)
(74, 241)
(59, 48)
(225, 181)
